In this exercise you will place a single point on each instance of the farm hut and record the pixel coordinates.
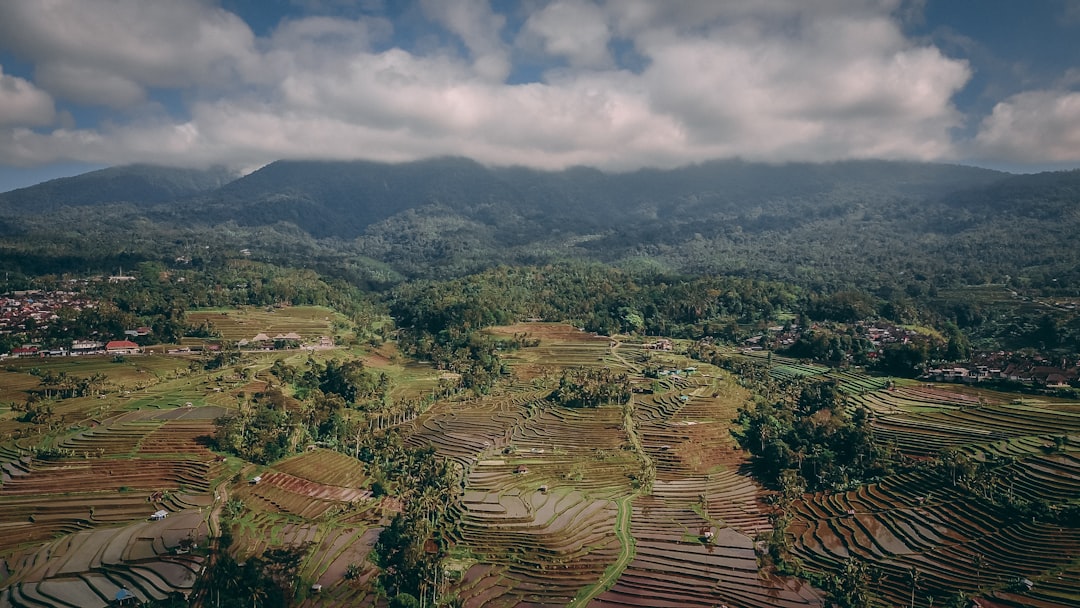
(521, 470)
(316, 588)
(255, 480)
(159, 515)
(125, 597)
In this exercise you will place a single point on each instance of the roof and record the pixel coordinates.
(124, 594)
(121, 344)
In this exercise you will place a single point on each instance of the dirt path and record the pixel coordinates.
(213, 520)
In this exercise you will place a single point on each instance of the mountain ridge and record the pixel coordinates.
(836, 222)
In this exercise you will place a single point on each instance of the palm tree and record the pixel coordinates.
(914, 575)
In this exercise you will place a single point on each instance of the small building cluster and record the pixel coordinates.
(264, 342)
(1011, 367)
(23, 310)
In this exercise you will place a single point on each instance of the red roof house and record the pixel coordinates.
(122, 347)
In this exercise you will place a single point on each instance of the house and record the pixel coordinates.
(262, 341)
(255, 480)
(24, 351)
(122, 347)
(86, 347)
(159, 515)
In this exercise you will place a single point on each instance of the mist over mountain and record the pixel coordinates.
(136, 184)
(815, 224)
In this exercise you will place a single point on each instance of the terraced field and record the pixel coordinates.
(74, 521)
(319, 498)
(87, 568)
(557, 509)
(694, 533)
(240, 324)
(955, 541)
(646, 503)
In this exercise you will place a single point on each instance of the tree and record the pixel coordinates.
(404, 600)
(914, 576)
(850, 588)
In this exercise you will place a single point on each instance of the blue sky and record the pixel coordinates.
(615, 84)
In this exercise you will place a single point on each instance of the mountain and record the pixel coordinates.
(343, 199)
(826, 225)
(137, 184)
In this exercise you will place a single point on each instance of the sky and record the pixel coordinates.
(613, 84)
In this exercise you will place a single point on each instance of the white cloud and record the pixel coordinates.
(830, 87)
(479, 28)
(1041, 125)
(770, 80)
(23, 104)
(77, 45)
(88, 84)
(574, 30)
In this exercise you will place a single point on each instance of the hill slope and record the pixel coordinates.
(138, 184)
(865, 222)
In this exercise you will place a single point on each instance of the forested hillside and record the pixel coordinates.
(871, 224)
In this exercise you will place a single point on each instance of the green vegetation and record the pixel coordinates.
(531, 431)
(814, 436)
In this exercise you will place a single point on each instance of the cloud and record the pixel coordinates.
(23, 104)
(574, 30)
(1041, 125)
(479, 28)
(773, 80)
(82, 48)
(91, 85)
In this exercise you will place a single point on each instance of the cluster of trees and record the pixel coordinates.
(840, 344)
(991, 479)
(599, 298)
(55, 384)
(591, 387)
(814, 436)
(350, 380)
(263, 431)
(267, 580)
(409, 551)
(270, 579)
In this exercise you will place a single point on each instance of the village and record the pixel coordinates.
(1028, 368)
(1003, 366)
(26, 316)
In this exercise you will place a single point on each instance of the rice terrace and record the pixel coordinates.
(539, 303)
(647, 498)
